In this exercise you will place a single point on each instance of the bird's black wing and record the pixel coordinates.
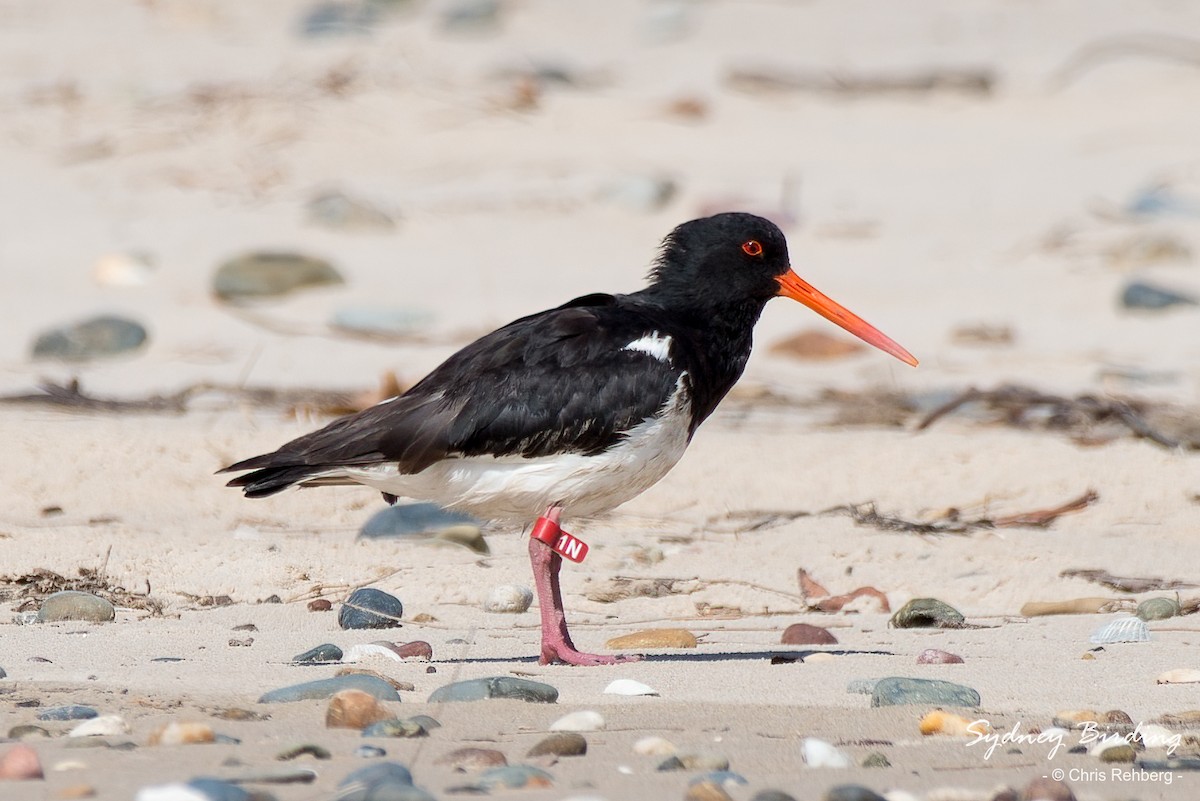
(560, 381)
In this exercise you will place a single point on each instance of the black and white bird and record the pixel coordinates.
(576, 409)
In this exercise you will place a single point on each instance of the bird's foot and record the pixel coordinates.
(565, 653)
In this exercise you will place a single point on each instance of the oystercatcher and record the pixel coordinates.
(576, 409)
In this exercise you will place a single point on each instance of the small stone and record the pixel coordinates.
(1047, 789)
(654, 746)
(820, 754)
(74, 605)
(369, 752)
(97, 337)
(924, 613)
(653, 638)
(123, 269)
(306, 749)
(861, 686)
(1158, 609)
(327, 652)
(396, 727)
(941, 722)
(509, 598)
(495, 687)
(20, 763)
(354, 709)
(327, 688)
(1179, 676)
(470, 760)
(72, 712)
(562, 743)
(1114, 750)
(851, 792)
(706, 790)
(27, 731)
(270, 274)
(702, 760)
(73, 791)
(1123, 629)
(1144, 296)
(381, 323)
(369, 608)
(319, 605)
(628, 687)
(897, 690)
(932, 656)
(363, 784)
(102, 726)
(805, 634)
(813, 345)
(876, 760)
(339, 210)
(424, 521)
(180, 733)
(772, 795)
(582, 720)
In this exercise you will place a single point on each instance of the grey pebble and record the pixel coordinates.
(1158, 609)
(369, 608)
(925, 613)
(861, 686)
(383, 781)
(1140, 295)
(381, 322)
(560, 743)
(75, 605)
(72, 712)
(325, 688)
(326, 652)
(27, 730)
(369, 752)
(395, 727)
(851, 792)
(219, 790)
(267, 274)
(105, 335)
(512, 777)
(495, 687)
(898, 690)
(338, 210)
(772, 795)
(3, 675)
(721, 778)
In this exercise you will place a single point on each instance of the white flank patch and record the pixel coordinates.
(657, 346)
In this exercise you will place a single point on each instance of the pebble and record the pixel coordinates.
(898, 690)
(354, 709)
(123, 269)
(396, 727)
(20, 763)
(102, 726)
(265, 274)
(326, 652)
(320, 605)
(562, 743)
(72, 712)
(338, 210)
(1144, 296)
(512, 777)
(941, 722)
(654, 638)
(101, 336)
(369, 752)
(932, 656)
(1123, 629)
(851, 792)
(654, 746)
(179, 733)
(495, 687)
(805, 634)
(3, 675)
(820, 754)
(704, 790)
(1047, 789)
(509, 598)
(772, 795)
(369, 608)
(470, 760)
(1179, 676)
(1158, 609)
(326, 688)
(1114, 749)
(381, 323)
(75, 605)
(628, 687)
(424, 521)
(582, 720)
(305, 749)
(924, 613)
(1074, 606)
(861, 686)
(367, 783)
(876, 760)
(27, 731)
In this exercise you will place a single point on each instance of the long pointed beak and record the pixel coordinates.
(794, 287)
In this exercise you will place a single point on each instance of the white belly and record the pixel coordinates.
(516, 488)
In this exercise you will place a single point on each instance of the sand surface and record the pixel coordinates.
(194, 131)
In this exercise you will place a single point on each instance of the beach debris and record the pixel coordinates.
(772, 795)
(396, 727)
(20, 763)
(71, 712)
(97, 337)
(939, 721)
(322, 689)
(806, 634)
(819, 754)
(1124, 629)
(320, 605)
(326, 652)
(27, 731)
(1114, 749)
(496, 687)
(702, 788)
(1179, 676)
(628, 687)
(561, 743)
(76, 605)
(1158, 609)
(123, 269)
(395, 684)
(620, 588)
(813, 345)
(336, 209)
(367, 751)
(927, 613)
(819, 599)
(580, 720)
(856, 792)
(304, 749)
(861, 686)
(269, 274)
(876, 759)
(654, 746)
(963, 80)
(471, 760)
(1148, 248)
(653, 638)
(509, 599)
(389, 780)
(510, 777)
(1150, 297)
(983, 335)
(101, 726)
(370, 608)
(933, 656)
(952, 522)
(1126, 583)
(183, 733)
(901, 690)
(694, 760)
(1072, 606)
(354, 709)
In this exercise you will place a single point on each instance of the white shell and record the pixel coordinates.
(366, 650)
(583, 720)
(1125, 629)
(629, 687)
(123, 269)
(510, 598)
(1105, 743)
(654, 746)
(1179, 676)
(103, 726)
(820, 754)
(1155, 736)
(170, 792)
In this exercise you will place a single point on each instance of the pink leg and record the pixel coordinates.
(556, 640)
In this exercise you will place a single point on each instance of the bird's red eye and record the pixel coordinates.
(752, 248)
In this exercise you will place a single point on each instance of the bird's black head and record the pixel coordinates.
(727, 258)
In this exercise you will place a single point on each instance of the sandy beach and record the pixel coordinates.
(1011, 191)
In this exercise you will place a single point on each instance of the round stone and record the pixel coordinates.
(74, 605)
(369, 608)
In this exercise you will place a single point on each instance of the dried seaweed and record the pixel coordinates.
(36, 586)
(951, 522)
(1126, 583)
(965, 81)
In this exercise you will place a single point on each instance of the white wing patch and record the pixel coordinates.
(657, 346)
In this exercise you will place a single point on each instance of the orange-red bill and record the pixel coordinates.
(794, 287)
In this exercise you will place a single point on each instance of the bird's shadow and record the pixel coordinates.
(773, 656)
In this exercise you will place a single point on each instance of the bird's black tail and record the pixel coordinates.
(268, 476)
